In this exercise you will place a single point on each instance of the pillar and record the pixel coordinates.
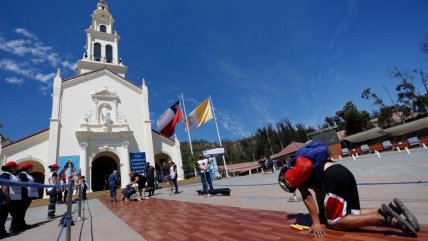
(83, 160)
(125, 165)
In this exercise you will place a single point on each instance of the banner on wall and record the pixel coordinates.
(62, 161)
(138, 162)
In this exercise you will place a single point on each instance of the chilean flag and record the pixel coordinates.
(169, 119)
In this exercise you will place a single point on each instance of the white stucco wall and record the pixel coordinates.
(170, 148)
(34, 148)
(77, 101)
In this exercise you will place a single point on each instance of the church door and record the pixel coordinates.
(101, 169)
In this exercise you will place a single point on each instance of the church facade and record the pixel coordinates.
(100, 120)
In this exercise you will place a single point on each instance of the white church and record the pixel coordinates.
(100, 120)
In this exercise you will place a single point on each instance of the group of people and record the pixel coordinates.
(145, 182)
(266, 163)
(16, 200)
(62, 181)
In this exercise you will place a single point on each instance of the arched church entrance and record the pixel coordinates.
(161, 164)
(102, 166)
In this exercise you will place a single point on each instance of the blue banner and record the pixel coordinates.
(138, 162)
(62, 161)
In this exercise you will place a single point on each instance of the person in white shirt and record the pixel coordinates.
(203, 166)
(173, 176)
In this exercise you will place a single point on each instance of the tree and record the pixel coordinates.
(3, 138)
(354, 121)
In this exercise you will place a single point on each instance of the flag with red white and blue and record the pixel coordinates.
(166, 123)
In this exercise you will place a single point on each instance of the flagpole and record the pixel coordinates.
(187, 124)
(218, 134)
(188, 130)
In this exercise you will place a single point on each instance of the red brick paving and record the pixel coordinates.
(159, 219)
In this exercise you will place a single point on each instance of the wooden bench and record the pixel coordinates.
(401, 144)
(355, 150)
(423, 140)
(376, 147)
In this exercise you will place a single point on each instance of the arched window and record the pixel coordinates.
(103, 28)
(97, 51)
(109, 53)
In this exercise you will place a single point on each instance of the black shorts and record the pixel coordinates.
(341, 193)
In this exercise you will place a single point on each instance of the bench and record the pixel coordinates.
(355, 150)
(365, 149)
(401, 144)
(376, 147)
(423, 140)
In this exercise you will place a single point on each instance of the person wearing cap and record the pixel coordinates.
(28, 193)
(12, 198)
(337, 195)
(53, 191)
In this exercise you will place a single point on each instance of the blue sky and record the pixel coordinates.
(261, 61)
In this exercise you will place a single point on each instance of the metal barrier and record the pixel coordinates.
(68, 218)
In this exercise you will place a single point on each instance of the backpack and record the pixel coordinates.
(315, 151)
(62, 220)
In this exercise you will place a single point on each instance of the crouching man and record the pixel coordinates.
(336, 194)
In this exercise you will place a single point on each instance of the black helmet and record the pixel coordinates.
(283, 183)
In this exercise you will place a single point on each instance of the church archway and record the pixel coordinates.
(102, 165)
(160, 160)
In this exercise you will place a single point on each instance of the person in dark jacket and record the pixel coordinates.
(150, 175)
(337, 197)
(28, 193)
(113, 181)
(11, 203)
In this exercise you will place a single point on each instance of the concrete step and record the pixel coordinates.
(89, 195)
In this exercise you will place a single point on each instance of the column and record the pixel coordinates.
(90, 54)
(114, 110)
(89, 179)
(125, 165)
(83, 160)
(96, 114)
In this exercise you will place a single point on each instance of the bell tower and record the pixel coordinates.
(102, 44)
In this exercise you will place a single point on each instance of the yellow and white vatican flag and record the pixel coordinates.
(199, 116)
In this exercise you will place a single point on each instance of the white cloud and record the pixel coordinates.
(24, 69)
(35, 51)
(69, 65)
(14, 80)
(232, 124)
(26, 33)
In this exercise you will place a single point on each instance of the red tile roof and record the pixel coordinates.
(240, 167)
(291, 148)
(24, 138)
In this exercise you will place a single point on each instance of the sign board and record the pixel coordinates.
(214, 167)
(214, 152)
(138, 162)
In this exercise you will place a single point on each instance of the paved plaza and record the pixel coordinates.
(256, 210)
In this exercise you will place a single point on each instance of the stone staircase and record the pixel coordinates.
(89, 195)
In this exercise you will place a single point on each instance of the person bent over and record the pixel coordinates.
(137, 178)
(336, 194)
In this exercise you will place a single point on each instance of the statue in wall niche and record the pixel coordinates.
(105, 115)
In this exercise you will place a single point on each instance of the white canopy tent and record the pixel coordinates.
(408, 127)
